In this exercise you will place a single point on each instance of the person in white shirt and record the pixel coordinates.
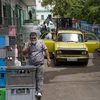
(51, 25)
(49, 36)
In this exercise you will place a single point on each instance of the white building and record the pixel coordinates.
(41, 12)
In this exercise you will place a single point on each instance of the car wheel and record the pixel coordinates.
(56, 62)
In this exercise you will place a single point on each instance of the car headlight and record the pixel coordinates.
(58, 52)
(84, 52)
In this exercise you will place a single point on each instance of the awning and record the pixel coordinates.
(30, 2)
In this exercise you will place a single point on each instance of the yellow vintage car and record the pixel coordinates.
(69, 46)
(91, 41)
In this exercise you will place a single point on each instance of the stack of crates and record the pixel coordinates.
(11, 48)
(4, 42)
(7, 55)
(2, 93)
(7, 46)
(20, 83)
(2, 83)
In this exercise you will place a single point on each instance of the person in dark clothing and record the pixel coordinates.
(44, 28)
(30, 14)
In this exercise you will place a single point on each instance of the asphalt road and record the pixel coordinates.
(73, 81)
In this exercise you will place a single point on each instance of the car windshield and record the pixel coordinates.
(70, 37)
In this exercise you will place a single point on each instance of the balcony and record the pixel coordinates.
(30, 2)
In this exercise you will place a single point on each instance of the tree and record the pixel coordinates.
(79, 9)
(87, 10)
(59, 7)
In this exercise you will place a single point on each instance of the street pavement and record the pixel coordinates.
(72, 81)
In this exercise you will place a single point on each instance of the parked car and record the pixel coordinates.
(69, 46)
(91, 41)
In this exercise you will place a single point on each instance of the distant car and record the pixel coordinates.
(91, 41)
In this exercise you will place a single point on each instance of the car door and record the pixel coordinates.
(49, 42)
(92, 42)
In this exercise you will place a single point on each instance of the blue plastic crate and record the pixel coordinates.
(83, 22)
(3, 68)
(2, 38)
(2, 78)
(2, 62)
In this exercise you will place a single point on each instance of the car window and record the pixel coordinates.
(89, 37)
(49, 36)
(43, 35)
(70, 37)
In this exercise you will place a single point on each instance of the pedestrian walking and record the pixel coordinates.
(35, 49)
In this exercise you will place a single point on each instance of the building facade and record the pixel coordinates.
(41, 12)
(14, 12)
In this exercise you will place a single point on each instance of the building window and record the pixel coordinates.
(42, 17)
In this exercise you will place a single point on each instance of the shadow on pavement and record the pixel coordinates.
(73, 68)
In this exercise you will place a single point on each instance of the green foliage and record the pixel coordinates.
(80, 9)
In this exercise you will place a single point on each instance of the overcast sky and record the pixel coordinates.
(38, 7)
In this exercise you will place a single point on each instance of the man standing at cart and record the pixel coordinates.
(35, 49)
